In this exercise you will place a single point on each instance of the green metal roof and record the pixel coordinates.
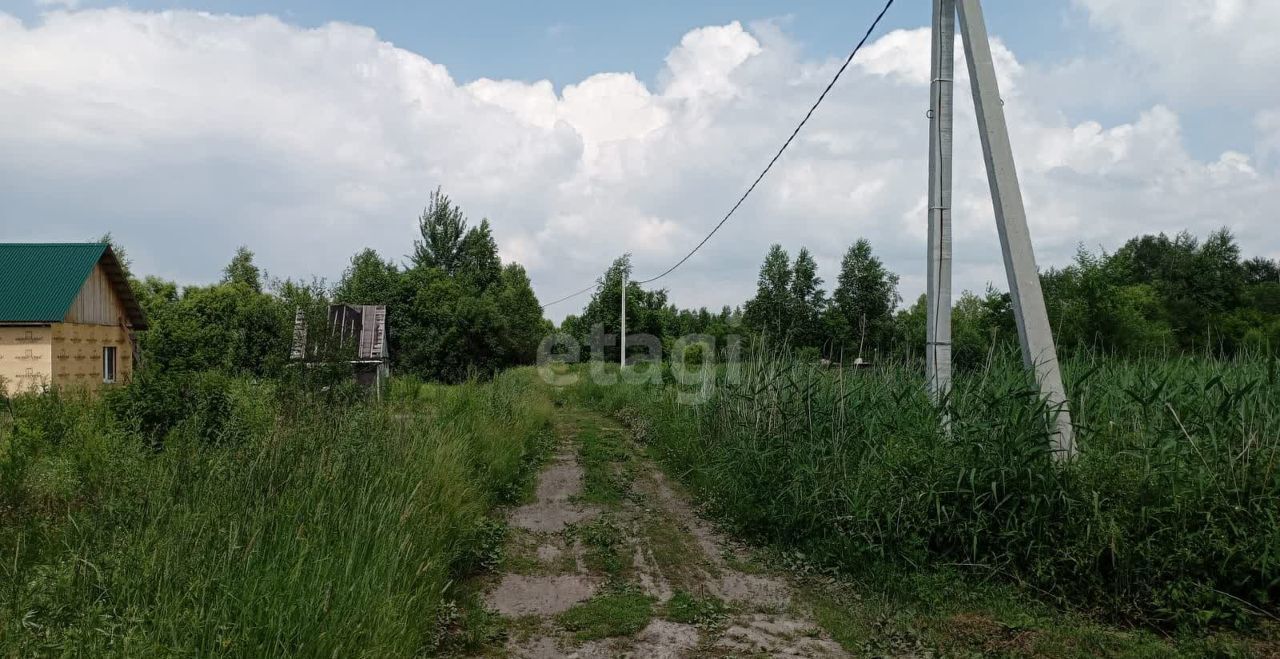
(39, 281)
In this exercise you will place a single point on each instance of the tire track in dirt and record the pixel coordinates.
(639, 574)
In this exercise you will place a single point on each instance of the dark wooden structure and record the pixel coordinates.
(362, 326)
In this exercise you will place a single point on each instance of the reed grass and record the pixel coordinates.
(317, 530)
(1169, 516)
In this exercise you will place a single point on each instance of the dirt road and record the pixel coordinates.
(610, 560)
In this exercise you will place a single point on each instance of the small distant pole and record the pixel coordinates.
(622, 359)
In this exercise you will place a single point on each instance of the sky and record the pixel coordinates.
(583, 130)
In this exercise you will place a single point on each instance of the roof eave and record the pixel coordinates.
(120, 281)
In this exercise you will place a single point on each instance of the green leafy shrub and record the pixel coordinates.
(210, 405)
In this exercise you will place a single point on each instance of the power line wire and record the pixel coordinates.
(786, 144)
(821, 97)
(572, 295)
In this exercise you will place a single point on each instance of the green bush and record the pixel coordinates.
(210, 405)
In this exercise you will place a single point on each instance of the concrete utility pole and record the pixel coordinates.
(1034, 333)
(622, 359)
(938, 339)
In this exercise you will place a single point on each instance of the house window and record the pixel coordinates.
(109, 364)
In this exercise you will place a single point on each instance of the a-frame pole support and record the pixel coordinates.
(938, 299)
(1034, 333)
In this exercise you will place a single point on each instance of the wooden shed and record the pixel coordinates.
(67, 317)
(360, 327)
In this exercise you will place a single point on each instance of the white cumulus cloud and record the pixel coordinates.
(1215, 51)
(186, 134)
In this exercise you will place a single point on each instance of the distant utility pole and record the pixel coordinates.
(1034, 334)
(622, 359)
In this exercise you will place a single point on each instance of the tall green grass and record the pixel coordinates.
(316, 529)
(1170, 515)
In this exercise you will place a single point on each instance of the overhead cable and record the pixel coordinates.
(786, 144)
(821, 97)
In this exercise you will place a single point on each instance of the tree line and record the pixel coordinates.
(454, 309)
(1156, 295)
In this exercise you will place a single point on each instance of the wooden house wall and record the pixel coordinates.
(97, 303)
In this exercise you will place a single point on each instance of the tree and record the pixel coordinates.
(1264, 297)
(975, 328)
(910, 326)
(809, 300)
(860, 316)
(456, 312)
(442, 329)
(428, 331)
(478, 260)
(1261, 270)
(1221, 275)
(367, 280)
(647, 311)
(1091, 307)
(1195, 283)
(227, 327)
(121, 256)
(154, 294)
(441, 227)
(525, 324)
(242, 270)
(770, 312)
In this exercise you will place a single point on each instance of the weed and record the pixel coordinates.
(466, 626)
(606, 465)
(604, 545)
(690, 609)
(483, 547)
(616, 612)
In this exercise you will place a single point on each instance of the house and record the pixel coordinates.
(360, 333)
(67, 317)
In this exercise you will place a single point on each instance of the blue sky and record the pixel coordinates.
(187, 135)
(565, 41)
